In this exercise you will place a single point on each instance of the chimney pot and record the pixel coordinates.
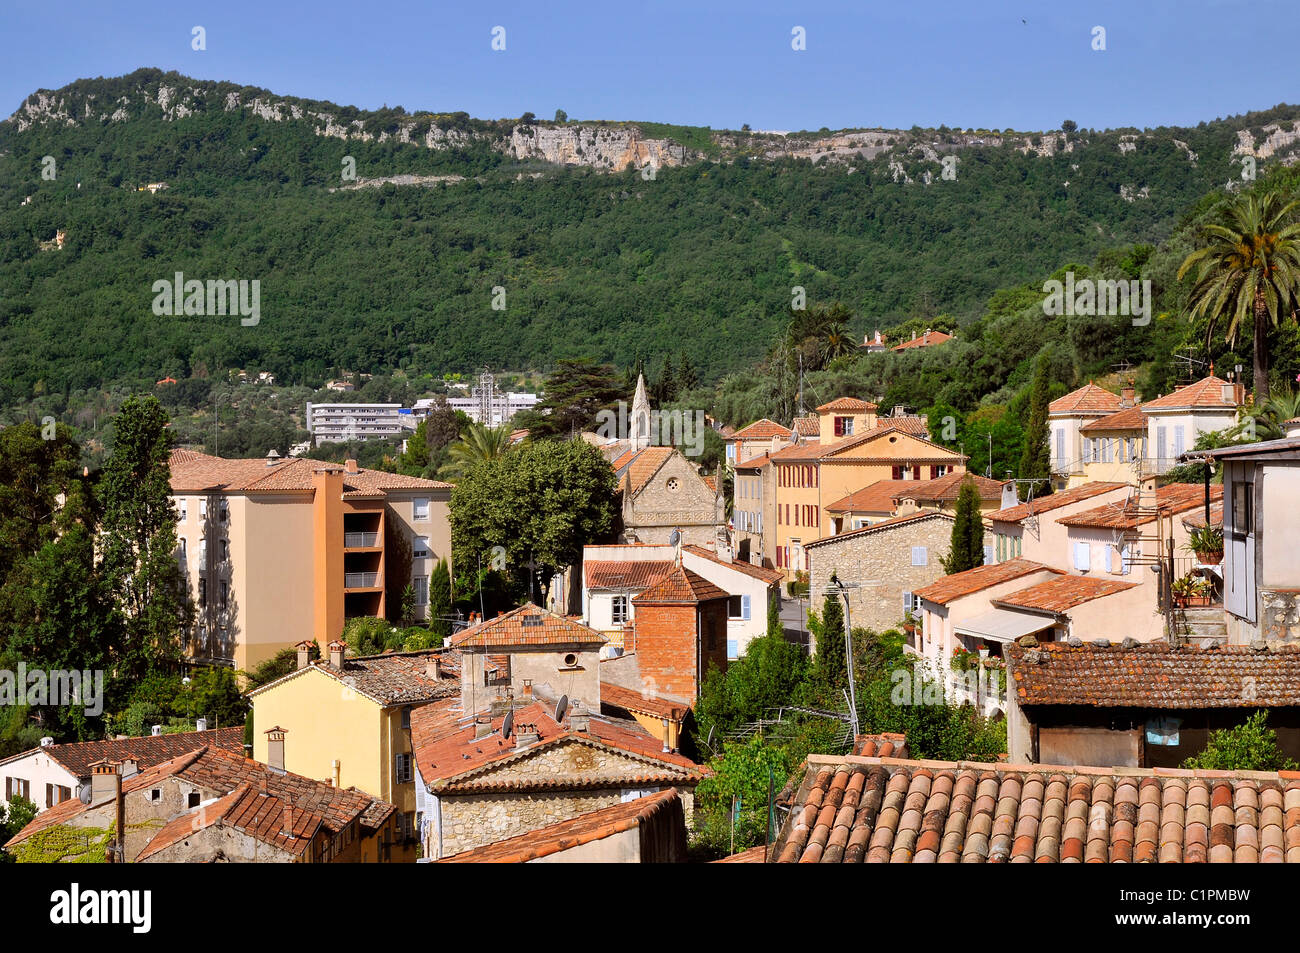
(304, 653)
(201, 724)
(350, 466)
(337, 648)
(288, 820)
(155, 730)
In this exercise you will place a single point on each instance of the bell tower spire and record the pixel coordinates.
(640, 435)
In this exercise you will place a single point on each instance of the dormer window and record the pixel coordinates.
(843, 426)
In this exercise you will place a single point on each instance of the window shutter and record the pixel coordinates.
(1082, 556)
(988, 555)
(919, 556)
(744, 607)
(907, 603)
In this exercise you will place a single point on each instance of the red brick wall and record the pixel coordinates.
(667, 650)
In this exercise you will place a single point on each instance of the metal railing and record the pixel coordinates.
(357, 540)
(360, 580)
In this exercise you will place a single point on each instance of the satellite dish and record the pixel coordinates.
(508, 724)
(83, 795)
(674, 538)
(561, 707)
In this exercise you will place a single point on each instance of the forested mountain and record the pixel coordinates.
(616, 241)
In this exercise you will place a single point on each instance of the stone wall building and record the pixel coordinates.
(883, 564)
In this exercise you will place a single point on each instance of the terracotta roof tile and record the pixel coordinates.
(260, 815)
(1089, 400)
(394, 678)
(452, 759)
(644, 465)
(1207, 392)
(892, 523)
(527, 625)
(928, 339)
(887, 745)
(948, 487)
(768, 576)
(624, 573)
(193, 472)
(679, 587)
(1130, 418)
(943, 591)
(1154, 675)
(847, 405)
(76, 757)
(761, 430)
(877, 497)
(1063, 593)
(889, 810)
(808, 452)
(630, 700)
(1172, 498)
(810, 426)
(583, 829)
(1044, 504)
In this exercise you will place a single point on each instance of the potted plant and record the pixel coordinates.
(1207, 543)
(1183, 590)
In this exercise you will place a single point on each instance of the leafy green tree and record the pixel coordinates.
(139, 540)
(767, 676)
(1248, 273)
(13, 818)
(742, 777)
(281, 664)
(774, 624)
(540, 503)
(213, 693)
(573, 395)
(1036, 461)
(1250, 746)
(34, 474)
(664, 390)
(440, 600)
(687, 378)
(966, 550)
(561, 116)
(443, 424)
(368, 635)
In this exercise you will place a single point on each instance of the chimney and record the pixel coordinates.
(913, 335)
(664, 723)
(200, 724)
(275, 748)
(877, 336)
(288, 820)
(526, 735)
(482, 726)
(304, 653)
(156, 730)
(105, 782)
(337, 648)
(1010, 494)
(579, 719)
(130, 766)
(433, 668)
(1127, 395)
(528, 688)
(46, 742)
(350, 466)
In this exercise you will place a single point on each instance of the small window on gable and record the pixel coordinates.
(421, 508)
(155, 794)
(673, 485)
(193, 799)
(920, 557)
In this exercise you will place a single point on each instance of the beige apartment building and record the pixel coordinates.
(277, 551)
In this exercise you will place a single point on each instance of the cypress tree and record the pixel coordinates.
(831, 668)
(1036, 461)
(967, 548)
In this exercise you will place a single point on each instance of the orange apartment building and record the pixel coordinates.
(852, 450)
(278, 551)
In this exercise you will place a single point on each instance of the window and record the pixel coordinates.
(183, 547)
(406, 718)
(620, 610)
(223, 512)
(193, 799)
(673, 485)
(1243, 499)
(17, 787)
(843, 426)
(421, 585)
(1082, 556)
(62, 792)
(203, 592)
(421, 548)
(1119, 559)
(403, 768)
(155, 794)
(225, 550)
(182, 509)
(203, 509)
(919, 556)
(988, 555)
(733, 649)
(225, 594)
(911, 604)
(421, 508)
(897, 473)
(738, 607)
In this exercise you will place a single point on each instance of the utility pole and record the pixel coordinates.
(841, 590)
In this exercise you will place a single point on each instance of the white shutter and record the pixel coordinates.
(919, 556)
(1082, 556)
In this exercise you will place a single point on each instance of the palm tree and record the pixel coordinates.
(1249, 268)
(836, 342)
(478, 444)
(1267, 421)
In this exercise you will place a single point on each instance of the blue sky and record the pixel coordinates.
(867, 63)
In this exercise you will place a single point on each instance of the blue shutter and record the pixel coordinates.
(907, 602)
(744, 607)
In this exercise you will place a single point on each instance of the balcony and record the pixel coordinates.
(360, 580)
(360, 540)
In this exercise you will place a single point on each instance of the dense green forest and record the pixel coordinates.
(613, 266)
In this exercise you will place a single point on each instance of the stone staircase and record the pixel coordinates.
(1200, 624)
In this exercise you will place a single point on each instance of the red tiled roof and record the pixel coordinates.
(624, 573)
(394, 678)
(909, 424)
(945, 590)
(1207, 392)
(644, 466)
(76, 757)
(194, 472)
(631, 700)
(1154, 675)
(1170, 498)
(1130, 418)
(892, 523)
(755, 855)
(808, 452)
(761, 430)
(219, 770)
(887, 810)
(1063, 593)
(877, 497)
(1197, 516)
(847, 405)
(583, 829)
(679, 587)
(768, 576)
(928, 339)
(948, 487)
(808, 426)
(891, 744)
(755, 463)
(451, 758)
(256, 813)
(514, 628)
(1088, 399)
(1044, 504)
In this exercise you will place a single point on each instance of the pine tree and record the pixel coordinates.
(1036, 462)
(687, 379)
(967, 548)
(665, 389)
(830, 666)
